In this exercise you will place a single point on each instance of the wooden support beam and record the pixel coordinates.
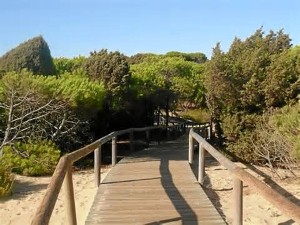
(97, 166)
(201, 168)
(238, 201)
(69, 197)
(191, 147)
(114, 151)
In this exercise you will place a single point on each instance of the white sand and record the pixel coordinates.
(29, 191)
(257, 210)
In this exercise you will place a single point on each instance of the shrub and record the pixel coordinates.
(287, 123)
(34, 158)
(274, 141)
(6, 180)
(197, 115)
(243, 148)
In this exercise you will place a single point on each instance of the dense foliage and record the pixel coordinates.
(77, 90)
(167, 82)
(248, 84)
(6, 180)
(112, 69)
(177, 78)
(33, 55)
(34, 158)
(197, 115)
(250, 94)
(109, 67)
(47, 107)
(196, 57)
(65, 65)
(287, 123)
(140, 57)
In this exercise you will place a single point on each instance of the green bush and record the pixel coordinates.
(6, 180)
(197, 115)
(274, 139)
(233, 126)
(287, 123)
(35, 158)
(77, 90)
(243, 148)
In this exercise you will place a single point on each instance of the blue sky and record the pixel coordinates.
(76, 27)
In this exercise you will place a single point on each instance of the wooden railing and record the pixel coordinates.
(239, 176)
(63, 173)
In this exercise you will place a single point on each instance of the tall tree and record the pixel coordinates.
(109, 67)
(33, 55)
(168, 80)
(216, 85)
(255, 74)
(112, 69)
(237, 77)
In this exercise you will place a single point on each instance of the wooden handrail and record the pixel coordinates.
(43, 214)
(63, 173)
(282, 203)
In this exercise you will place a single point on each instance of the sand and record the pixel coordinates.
(28, 192)
(257, 211)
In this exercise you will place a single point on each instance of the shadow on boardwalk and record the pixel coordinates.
(159, 185)
(181, 205)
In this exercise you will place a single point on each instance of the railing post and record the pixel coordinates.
(70, 200)
(148, 136)
(201, 168)
(97, 166)
(168, 133)
(208, 133)
(114, 151)
(191, 147)
(238, 201)
(131, 140)
(159, 136)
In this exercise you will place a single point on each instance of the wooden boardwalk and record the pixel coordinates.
(153, 186)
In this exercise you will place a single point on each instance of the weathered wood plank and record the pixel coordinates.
(154, 186)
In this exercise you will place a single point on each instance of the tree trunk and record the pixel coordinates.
(158, 116)
(167, 111)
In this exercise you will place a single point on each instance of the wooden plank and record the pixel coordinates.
(154, 186)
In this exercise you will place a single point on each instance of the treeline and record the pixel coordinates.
(53, 106)
(250, 94)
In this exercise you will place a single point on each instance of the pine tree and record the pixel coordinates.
(33, 55)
